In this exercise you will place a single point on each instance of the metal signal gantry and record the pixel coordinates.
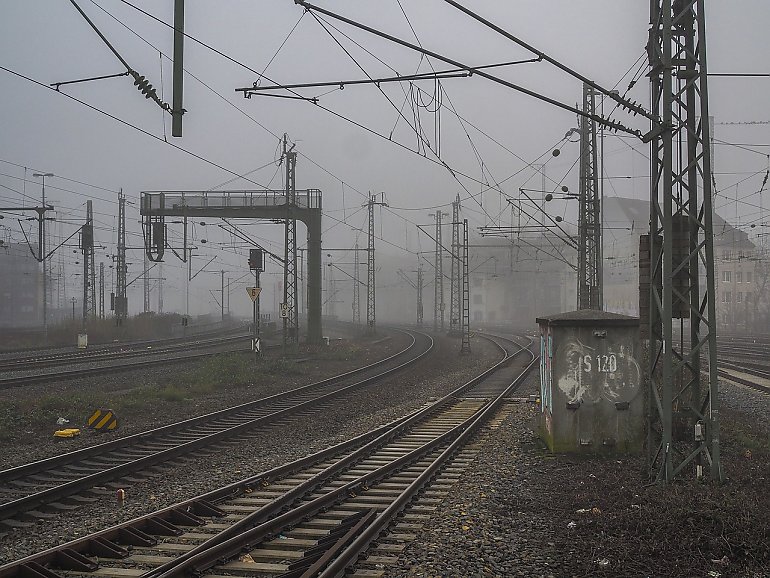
(683, 434)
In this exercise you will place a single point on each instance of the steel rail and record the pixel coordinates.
(351, 554)
(142, 531)
(31, 501)
(138, 526)
(268, 520)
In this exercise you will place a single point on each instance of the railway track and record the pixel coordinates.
(52, 352)
(315, 516)
(113, 361)
(27, 492)
(48, 359)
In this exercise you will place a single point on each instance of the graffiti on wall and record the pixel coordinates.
(590, 375)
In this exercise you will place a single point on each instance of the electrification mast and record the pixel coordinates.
(455, 277)
(121, 299)
(683, 395)
(356, 288)
(87, 246)
(465, 320)
(438, 287)
(419, 293)
(289, 305)
(146, 284)
(589, 278)
(101, 290)
(370, 276)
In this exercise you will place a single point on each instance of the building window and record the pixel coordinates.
(748, 276)
(726, 254)
(739, 277)
(477, 299)
(728, 297)
(748, 298)
(726, 276)
(739, 297)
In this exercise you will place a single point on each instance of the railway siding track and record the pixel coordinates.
(312, 517)
(58, 483)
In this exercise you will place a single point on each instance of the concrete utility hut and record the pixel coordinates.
(591, 382)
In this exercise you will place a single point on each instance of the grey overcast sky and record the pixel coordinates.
(499, 133)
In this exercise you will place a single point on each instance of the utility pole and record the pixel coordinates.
(121, 298)
(370, 277)
(465, 321)
(101, 290)
(331, 309)
(419, 292)
(74, 300)
(438, 288)
(589, 273)
(178, 69)
(91, 264)
(146, 284)
(455, 280)
(289, 306)
(222, 301)
(160, 288)
(43, 252)
(87, 246)
(356, 288)
(681, 241)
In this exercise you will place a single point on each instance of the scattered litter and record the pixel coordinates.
(466, 528)
(62, 421)
(572, 525)
(246, 558)
(723, 561)
(636, 506)
(747, 454)
(66, 433)
(603, 562)
(713, 574)
(596, 511)
(282, 537)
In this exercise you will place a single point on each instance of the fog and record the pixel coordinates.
(108, 137)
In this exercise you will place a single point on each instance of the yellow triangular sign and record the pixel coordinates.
(253, 292)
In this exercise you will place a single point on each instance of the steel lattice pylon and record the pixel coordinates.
(121, 269)
(89, 274)
(683, 412)
(289, 309)
(455, 280)
(356, 288)
(589, 278)
(465, 323)
(419, 293)
(370, 277)
(438, 285)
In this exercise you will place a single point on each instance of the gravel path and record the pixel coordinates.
(441, 372)
(519, 511)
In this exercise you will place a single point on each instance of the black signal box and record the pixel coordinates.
(256, 260)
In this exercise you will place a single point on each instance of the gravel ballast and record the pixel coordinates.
(441, 371)
(520, 511)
